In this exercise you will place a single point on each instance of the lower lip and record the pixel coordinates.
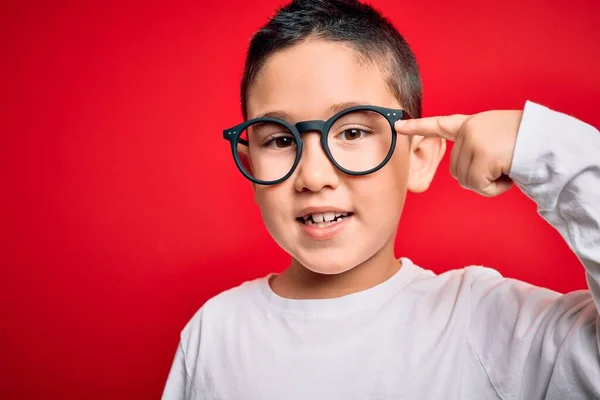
(327, 232)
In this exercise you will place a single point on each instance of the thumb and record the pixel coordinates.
(497, 187)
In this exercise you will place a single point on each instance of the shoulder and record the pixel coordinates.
(473, 284)
(460, 278)
(484, 288)
(224, 309)
(478, 280)
(215, 325)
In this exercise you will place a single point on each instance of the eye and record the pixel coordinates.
(352, 134)
(280, 142)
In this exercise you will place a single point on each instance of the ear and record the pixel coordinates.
(425, 156)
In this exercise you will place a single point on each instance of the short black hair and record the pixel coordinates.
(372, 36)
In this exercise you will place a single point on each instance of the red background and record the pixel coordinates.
(122, 211)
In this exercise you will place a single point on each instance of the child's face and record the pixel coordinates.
(303, 83)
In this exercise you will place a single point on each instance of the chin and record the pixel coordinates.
(328, 269)
(334, 263)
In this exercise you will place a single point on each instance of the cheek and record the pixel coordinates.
(272, 204)
(382, 194)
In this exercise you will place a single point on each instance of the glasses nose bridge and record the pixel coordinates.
(311, 126)
(315, 126)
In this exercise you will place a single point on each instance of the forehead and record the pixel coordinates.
(306, 80)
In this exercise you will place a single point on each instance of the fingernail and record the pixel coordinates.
(400, 123)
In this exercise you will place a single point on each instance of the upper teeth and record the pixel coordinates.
(324, 217)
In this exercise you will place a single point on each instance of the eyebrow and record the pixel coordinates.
(334, 109)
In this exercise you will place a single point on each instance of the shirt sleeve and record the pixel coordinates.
(179, 386)
(533, 342)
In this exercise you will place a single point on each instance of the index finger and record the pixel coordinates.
(446, 127)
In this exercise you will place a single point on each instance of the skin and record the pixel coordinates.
(305, 82)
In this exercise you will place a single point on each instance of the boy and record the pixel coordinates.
(330, 150)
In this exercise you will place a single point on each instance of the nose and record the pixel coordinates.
(315, 171)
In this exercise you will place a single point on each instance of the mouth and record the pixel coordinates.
(324, 219)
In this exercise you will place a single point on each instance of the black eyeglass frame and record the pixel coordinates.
(233, 136)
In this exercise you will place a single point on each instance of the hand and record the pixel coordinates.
(483, 149)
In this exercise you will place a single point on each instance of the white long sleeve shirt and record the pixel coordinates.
(464, 334)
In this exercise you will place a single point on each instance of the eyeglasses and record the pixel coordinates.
(359, 140)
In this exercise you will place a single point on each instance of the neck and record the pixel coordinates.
(298, 282)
